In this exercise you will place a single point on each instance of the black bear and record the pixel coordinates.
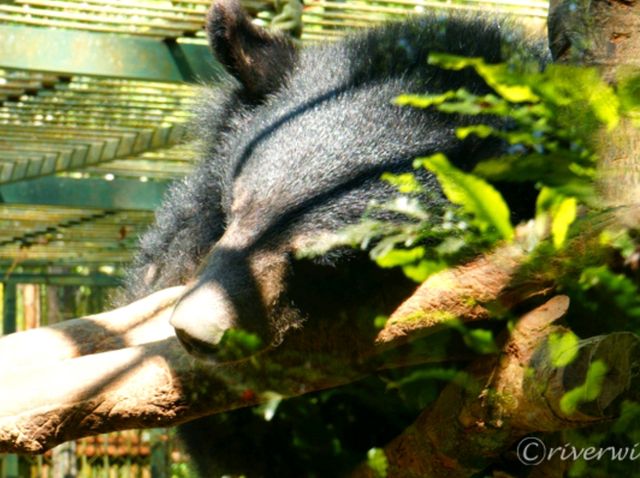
(294, 142)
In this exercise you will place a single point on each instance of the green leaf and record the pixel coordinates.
(620, 240)
(605, 105)
(588, 391)
(506, 83)
(629, 89)
(476, 196)
(452, 62)
(400, 257)
(501, 78)
(629, 418)
(481, 340)
(380, 321)
(423, 101)
(600, 96)
(420, 271)
(377, 461)
(429, 374)
(551, 169)
(406, 183)
(573, 86)
(622, 291)
(421, 386)
(563, 217)
(237, 343)
(460, 101)
(563, 348)
(480, 130)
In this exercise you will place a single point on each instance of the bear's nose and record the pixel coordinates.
(201, 317)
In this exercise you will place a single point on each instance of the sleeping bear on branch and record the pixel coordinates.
(293, 143)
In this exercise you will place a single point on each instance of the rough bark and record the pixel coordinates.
(606, 35)
(159, 384)
(469, 292)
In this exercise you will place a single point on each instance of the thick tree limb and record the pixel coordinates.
(49, 396)
(150, 385)
(141, 322)
(465, 292)
(114, 370)
(497, 281)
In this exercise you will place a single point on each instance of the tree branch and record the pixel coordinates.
(144, 321)
(125, 369)
(504, 398)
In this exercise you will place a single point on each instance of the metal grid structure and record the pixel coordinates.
(74, 236)
(322, 19)
(84, 122)
(94, 100)
(83, 162)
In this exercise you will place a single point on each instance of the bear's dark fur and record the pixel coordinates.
(293, 145)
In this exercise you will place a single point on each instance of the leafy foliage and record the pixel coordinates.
(563, 348)
(548, 147)
(552, 149)
(485, 205)
(586, 392)
(237, 343)
(377, 461)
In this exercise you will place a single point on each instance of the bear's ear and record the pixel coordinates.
(258, 59)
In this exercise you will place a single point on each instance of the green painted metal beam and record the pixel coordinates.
(72, 52)
(10, 468)
(95, 279)
(78, 148)
(86, 193)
